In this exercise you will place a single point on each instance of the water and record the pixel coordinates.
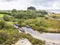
(49, 38)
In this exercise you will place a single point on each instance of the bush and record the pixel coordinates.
(54, 16)
(6, 18)
(14, 11)
(42, 16)
(46, 18)
(43, 29)
(2, 23)
(3, 37)
(8, 26)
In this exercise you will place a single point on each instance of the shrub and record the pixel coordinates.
(43, 29)
(6, 18)
(8, 26)
(54, 16)
(14, 11)
(3, 37)
(2, 23)
(46, 17)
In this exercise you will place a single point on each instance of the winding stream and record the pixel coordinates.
(49, 38)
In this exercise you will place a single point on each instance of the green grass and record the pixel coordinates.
(43, 24)
(55, 15)
(1, 15)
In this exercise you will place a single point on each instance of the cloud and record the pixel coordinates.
(17, 4)
(6, 0)
(23, 4)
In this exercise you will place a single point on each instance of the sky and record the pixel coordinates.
(23, 4)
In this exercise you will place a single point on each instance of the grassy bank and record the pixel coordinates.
(38, 20)
(11, 36)
(43, 24)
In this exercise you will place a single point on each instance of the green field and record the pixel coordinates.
(1, 15)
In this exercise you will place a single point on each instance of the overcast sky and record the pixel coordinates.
(23, 4)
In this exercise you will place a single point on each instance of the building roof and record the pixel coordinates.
(31, 8)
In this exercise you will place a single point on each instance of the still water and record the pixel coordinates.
(49, 38)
